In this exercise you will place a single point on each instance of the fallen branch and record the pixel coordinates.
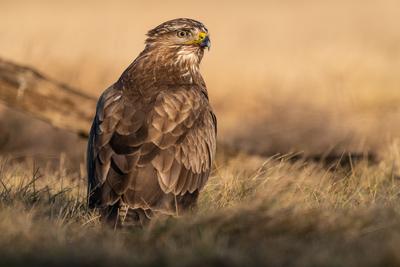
(27, 90)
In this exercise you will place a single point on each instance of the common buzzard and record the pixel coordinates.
(153, 138)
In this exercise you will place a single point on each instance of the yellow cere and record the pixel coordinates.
(200, 38)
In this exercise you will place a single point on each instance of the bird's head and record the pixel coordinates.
(182, 34)
(172, 55)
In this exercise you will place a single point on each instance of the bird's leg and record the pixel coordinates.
(122, 213)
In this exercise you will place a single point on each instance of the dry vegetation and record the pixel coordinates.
(315, 77)
(253, 212)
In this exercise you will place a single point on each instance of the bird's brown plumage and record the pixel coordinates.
(153, 138)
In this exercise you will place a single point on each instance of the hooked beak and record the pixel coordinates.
(206, 43)
(203, 40)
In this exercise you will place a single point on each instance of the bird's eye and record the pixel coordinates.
(182, 34)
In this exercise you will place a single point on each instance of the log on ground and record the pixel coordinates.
(25, 89)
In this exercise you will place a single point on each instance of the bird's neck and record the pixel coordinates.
(164, 66)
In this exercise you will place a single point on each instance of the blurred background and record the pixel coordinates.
(308, 76)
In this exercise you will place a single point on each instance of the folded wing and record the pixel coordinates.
(170, 137)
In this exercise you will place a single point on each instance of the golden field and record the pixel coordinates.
(308, 77)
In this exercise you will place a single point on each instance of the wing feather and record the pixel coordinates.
(184, 140)
(113, 148)
(170, 138)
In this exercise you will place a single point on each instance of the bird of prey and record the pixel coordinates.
(153, 138)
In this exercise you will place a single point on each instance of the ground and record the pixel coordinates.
(254, 211)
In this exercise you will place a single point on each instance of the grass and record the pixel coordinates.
(254, 211)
